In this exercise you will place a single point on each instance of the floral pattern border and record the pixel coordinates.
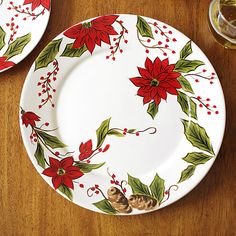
(157, 80)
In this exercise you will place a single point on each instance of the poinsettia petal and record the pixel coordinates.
(162, 92)
(54, 163)
(85, 155)
(27, 2)
(174, 83)
(149, 65)
(73, 32)
(147, 98)
(90, 43)
(51, 172)
(74, 172)
(32, 116)
(139, 81)
(79, 42)
(156, 67)
(174, 75)
(154, 92)
(172, 90)
(165, 63)
(157, 100)
(35, 4)
(143, 91)
(170, 68)
(104, 37)
(162, 76)
(144, 73)
(110, 30)
(6, 64)
(67, 181)
(56, 181)
(66, 162)
(89, 144)
(46, 4)
(107, 20)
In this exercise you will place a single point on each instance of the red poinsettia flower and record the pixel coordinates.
(92, 33)
(157, 79)
(4, 64)
(37, 3)
(29, 118)
(62, 172)
(85, 150)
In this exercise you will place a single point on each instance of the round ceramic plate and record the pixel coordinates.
(122, 114)
(23, 23)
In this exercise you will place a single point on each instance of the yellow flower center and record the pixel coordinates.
(61, 171)
(154, 83)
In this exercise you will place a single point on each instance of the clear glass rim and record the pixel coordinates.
(218, 5)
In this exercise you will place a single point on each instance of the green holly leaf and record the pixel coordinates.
(197, 135)
(186, 51)
(86, 167)
(152, 109)
(17, 46)
(50, 140)
(2, 37)
(187, 173)
(105, 206)
(102, 132)
(137, 186)
(115, 133)
(188, 106)
(39, 155)
(48, 54)
(197, 158)
(66, 191)
(186, 86)
(144, 28)
(158, 188)
(69, 51)
(185, 66)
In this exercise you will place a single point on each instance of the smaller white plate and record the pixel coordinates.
(23, 23)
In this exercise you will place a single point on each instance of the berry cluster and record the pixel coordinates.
(117, 41)
(95, 189)
(161, 41)
(201, 75)
(130, 131)
(13, 28)
(25, 12)
(117, 182)
(206, 103)
(45, 84)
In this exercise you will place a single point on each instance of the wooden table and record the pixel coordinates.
(28, 206)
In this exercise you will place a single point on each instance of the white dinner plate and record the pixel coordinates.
(122, 114)
(22, 25)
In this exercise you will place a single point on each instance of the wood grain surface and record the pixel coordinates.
(28, 206)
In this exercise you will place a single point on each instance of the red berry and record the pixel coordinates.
(53, 105)
(170, 32)
(112, 181)
(43, 86)
(211, 82)
(57, 153)
(198, 97)
(167, 40)
(147, 51)
(88, 161)
(116, 44)
(107, 57)
(213, 73)
(96, 186)
(113, 58)
(196, 80)
(214, 106)
(92, 188)
(112, 52)
(39, 94)
(174, 39)
(162, 33)
(155, 24)
(217, 112)
(200, 105)
(49, 81)
(12, 24)
(40, 106)
(7, 24)
(159, 43)
(121, 32)
(54, 79)
(31, 137)
(208, 99)
(117, 182)
(111, 47)
(97, 192)
(126, 41)
(100, 149)
(164, 27)
(207, 105)
(49, 73)
(42, 78)
(204, 70)
(39, 84)
(208, 113)
(114, 39)
(173, 52)
(166, 192)
(148, 40)
(24, 18)
(43, 91)
(137, 133)
(126, 31)
(166, 46)
(35, 140)
(165, 54)
(54, 90)
(124, 190)
(156, 31)
(47, 124)
(212, 77)
(34, 135)
(124, 133)
(113, 176)
(81, 186)
(125, 129)
(121, 50)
